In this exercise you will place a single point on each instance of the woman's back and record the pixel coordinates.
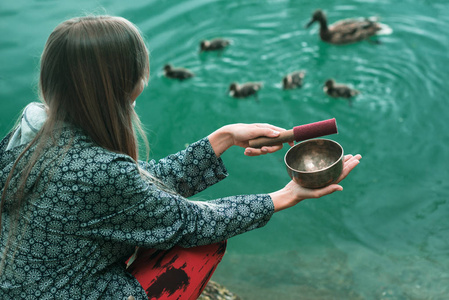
(60, 252)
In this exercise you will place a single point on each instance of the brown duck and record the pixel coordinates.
(338, 90)
(293, 80)
(244, 90)
(214, 45)
(177, 73)
(349, 30)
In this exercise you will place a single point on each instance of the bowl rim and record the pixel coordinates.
(307, 141)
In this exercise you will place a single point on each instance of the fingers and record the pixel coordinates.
(264, 150)
(271, 133)
(242, 133)
(318, 193)
(264, 130)
(266, 125)
(347, 157)
(349, 164)
(267, 131)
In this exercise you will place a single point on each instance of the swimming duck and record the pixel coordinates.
(338, 90)
(215, 44)
(177, 73)
(293, 80)
(349, 30)
(244, 90)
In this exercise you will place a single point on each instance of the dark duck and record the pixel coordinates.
(244, 90)
(177, 73)
(349, 30)
(214, 45)
(339, 90)
(293, 80)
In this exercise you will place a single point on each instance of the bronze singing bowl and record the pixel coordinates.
(315, 163)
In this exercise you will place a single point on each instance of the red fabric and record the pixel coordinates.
(178, 273)
(313, 130)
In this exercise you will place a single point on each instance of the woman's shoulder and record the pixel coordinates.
(82, 145)
(93, 163)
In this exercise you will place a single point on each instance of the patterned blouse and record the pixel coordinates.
(90, 207)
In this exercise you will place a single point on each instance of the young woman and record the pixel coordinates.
(76, 201)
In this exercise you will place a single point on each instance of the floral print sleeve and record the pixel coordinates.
(189, 171)
(150, 217)
(108, 198)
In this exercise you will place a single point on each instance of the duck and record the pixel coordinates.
(339, 90)
(349, 30)
(177, 73)
(244, 90)
(293, 80)
(214, 44)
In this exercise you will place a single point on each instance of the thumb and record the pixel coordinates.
(271, 132)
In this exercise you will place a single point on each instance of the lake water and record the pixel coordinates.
(386, 236)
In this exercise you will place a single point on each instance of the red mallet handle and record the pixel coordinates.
(298, 133)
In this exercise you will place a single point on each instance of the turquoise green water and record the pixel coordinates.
(386, 236)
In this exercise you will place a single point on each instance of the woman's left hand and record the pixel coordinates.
(240, 135)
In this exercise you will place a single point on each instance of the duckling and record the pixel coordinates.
(349, 30)
(177, 73)
(293, 80)
(213, 45)
(244, 90)
(338, 90)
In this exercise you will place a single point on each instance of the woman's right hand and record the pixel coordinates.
(293, 193)
(240, 134)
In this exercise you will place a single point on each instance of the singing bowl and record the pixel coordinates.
(315, 163)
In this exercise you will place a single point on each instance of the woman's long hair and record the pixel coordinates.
(90, 70)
